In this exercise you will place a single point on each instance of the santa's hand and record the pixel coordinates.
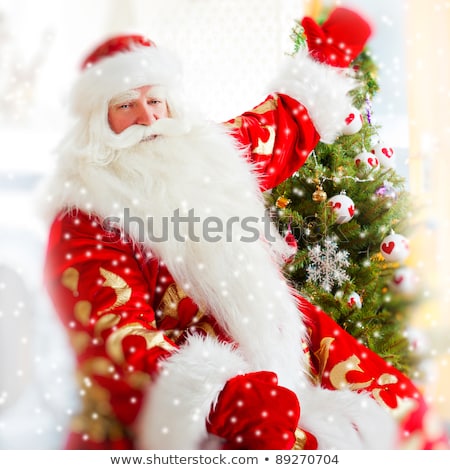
(340, 38)
(254, 412)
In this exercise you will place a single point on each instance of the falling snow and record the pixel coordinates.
(327, 265)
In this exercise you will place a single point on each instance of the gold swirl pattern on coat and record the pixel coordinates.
(338, 374)
(106, 321)
(322, 355)
(79, 340)
(170, 300)
(69, 279)
(152, 338)
(338, 378)
(300, 440)
(266, 147)
(269, 105)
(120, 287)
(82, 311)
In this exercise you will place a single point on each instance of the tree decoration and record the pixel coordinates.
(353, 122)
(327, 265)
(385, 155)
(367, 160)
(319, 195)
(354, 300)
(282, 202)
(291, 241)
(387, 190)
(395, 248)
(343, 207)
(404, 281)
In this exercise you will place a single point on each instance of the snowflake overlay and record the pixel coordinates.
(327, 265)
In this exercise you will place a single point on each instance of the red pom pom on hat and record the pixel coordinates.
(340, 38)
(123, 43)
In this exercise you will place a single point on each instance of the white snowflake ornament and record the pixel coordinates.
(343, 207)
(395, 248)
(327, 265)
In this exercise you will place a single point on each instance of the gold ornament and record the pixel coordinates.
(319, 195)
(282, 202)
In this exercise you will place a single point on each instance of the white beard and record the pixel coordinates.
(200, 168)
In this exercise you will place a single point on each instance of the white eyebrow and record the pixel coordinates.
(128, 95)
(157, 91)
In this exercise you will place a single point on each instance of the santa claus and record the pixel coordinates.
(164, 269)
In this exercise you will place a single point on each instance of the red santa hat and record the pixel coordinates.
(121, 63)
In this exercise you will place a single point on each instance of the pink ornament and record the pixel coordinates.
(385, 155)
(353, 122)
(343, 207)
(404, 281)
(354, 300)
(367, 160)
(395, 248)
(387, 191)
(418, 340)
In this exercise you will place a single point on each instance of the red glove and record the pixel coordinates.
(340, 38)
(254, 412)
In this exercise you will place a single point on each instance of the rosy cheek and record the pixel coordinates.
(116, 122)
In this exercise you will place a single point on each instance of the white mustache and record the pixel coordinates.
(137, 134)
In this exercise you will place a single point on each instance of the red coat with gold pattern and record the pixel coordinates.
(124, 313)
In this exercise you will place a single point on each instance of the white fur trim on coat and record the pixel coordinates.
(321, 88)
(345, 419)
(177, 405)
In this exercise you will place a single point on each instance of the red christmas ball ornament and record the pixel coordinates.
(343, 207)
(367, 160)
(385, 155)
(291, 241)
(353, 122)
(354, 300)
(395, 248)
(404, 281)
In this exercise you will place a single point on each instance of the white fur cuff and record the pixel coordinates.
(321, 88)
(178, 403)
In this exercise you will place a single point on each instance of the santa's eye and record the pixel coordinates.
(125, 106)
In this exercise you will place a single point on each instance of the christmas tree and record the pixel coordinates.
(347, 211)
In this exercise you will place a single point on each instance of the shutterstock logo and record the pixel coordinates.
(189, 226)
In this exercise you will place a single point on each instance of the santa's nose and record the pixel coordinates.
(145, 115)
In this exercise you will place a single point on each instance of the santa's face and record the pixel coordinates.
(139, 106)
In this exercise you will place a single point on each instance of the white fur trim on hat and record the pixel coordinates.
(123, 71)
(321, 88)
